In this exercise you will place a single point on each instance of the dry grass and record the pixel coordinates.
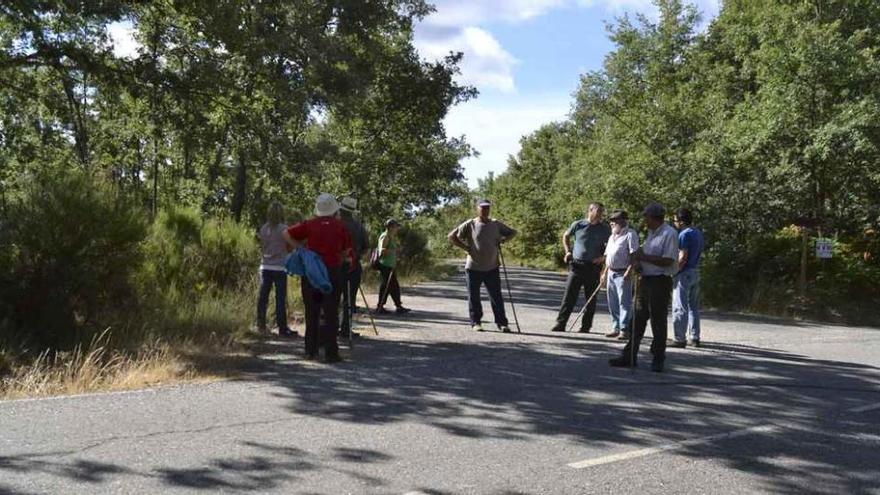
(99, 368)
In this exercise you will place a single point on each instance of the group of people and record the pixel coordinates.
(640, 278)
(340, 242)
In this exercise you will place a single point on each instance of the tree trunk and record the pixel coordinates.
(240, 191)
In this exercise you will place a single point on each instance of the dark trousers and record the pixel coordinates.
(322, 314)
(652, 303)
(388, 285)
(269, 278)
(492, 281)
(351, 282)
(580, 275)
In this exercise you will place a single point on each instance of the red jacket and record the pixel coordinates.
(326, 236)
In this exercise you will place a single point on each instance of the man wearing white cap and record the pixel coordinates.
(481, 237)
(326, 235)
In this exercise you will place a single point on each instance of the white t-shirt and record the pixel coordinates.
(620, 248)
(662, 241)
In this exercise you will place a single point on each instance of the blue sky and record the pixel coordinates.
(525, 57)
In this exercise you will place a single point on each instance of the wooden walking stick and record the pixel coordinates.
(509, 293)
(583, 309)
(369, 312)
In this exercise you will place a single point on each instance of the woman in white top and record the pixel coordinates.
(272, 270)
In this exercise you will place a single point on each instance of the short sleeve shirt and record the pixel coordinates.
(663, 242)
(589, 239)
(618, 253)
(326, 236)
(483, 239)
(691, 240)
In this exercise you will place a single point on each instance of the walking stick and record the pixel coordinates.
(632, 333)
(349, 314)
(583, 309)
(369, 312)
(509, 293)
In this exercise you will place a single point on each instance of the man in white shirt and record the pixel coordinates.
(657, 260)
(622, 244)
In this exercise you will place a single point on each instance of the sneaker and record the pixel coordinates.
(679, 344)
(584, 330)
(623, 336)
(657, 366)
(382, 311)
(612, 334)
(620, 362)
(477, 327)
(401, 310)
(694, 342)
(286, 332)
(557, 328)
(505, 329)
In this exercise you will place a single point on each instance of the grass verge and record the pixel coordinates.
(201, 340)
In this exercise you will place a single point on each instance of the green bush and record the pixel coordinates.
(71, 246)
(193, 255)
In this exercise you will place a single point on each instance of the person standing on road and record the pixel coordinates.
(657, 260)
(481, 238)
(618, 273)
(388, 252)
(354, 273)
(686, 292)
(326, 235)
(584, 264)
(272, 273)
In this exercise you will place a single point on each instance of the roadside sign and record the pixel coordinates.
(824, 248)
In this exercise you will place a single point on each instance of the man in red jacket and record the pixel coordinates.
(326, 235)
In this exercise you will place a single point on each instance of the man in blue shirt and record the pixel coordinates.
(686, 290)
(585, 264)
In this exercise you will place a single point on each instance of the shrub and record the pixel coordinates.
(72, 246)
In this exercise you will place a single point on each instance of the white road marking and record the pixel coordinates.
(672, 446)
(866, 408)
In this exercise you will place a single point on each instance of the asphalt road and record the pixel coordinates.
(431, 407)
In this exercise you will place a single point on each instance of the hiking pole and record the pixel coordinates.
(509, 293)
(349, 314)
(369, 312)
(632, 325)
(584, 308)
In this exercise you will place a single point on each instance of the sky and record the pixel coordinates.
(524, 56)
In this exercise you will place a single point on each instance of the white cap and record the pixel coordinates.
(326, 205)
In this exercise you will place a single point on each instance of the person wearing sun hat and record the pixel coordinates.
(353, 275)
(328, 237)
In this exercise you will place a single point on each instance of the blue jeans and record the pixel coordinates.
(620, 300)
(492, 280)
(686, 305)
(268, 278)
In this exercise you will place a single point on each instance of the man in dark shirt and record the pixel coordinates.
(585, 259)
(353, 275)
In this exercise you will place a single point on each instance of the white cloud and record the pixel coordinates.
(495, 128)
(485, 65)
